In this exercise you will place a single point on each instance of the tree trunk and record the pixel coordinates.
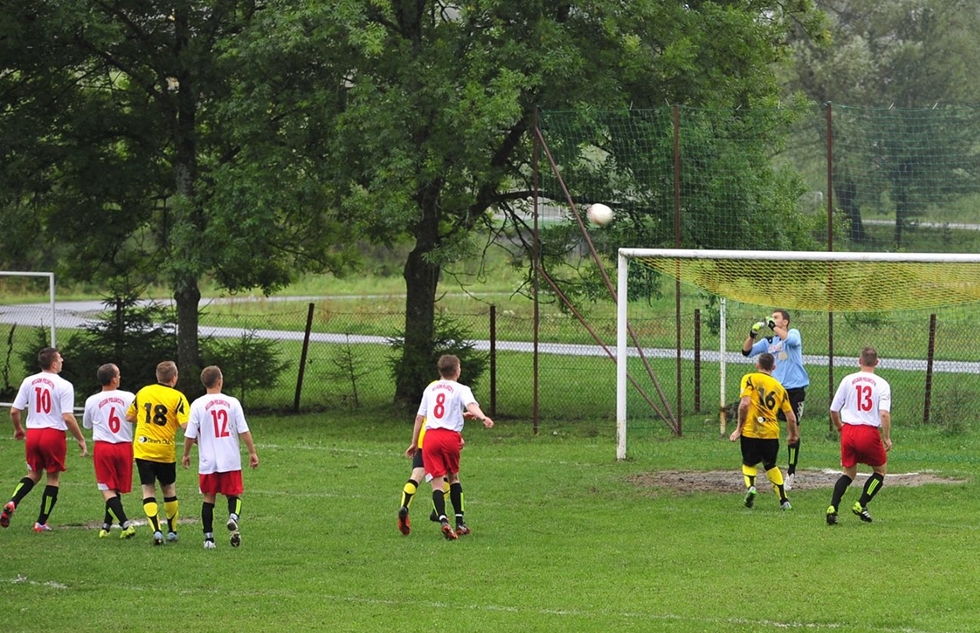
(847, 202)
(187, 296)
(416, 367)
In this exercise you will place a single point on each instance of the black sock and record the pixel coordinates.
(24, 486)
(456, 497)
(793, 448)
(871, 488)
(48, 499)
(439, 503)
(839, 489)
(107, 519)
(115, 508)
(235, 506)
(207, 517)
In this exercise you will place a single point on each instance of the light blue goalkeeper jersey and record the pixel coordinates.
(789, 358)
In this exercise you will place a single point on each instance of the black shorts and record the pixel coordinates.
(755, 450)
(796, 398)
(152, 472)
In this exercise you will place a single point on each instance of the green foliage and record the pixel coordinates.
(247, 362)
(348, 368)
(451, 337)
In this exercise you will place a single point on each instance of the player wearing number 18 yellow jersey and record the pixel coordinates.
(758, 427)
(158, 411)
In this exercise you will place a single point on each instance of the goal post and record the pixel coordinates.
(814, 281)
(51, 300)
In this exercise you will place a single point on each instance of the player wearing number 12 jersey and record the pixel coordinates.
(217, 423)
(861, 411)
(112, 455)
(158, 411)
(441, 410)
(49, 400)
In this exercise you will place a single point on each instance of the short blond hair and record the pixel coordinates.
(210, 376)
(166, 371)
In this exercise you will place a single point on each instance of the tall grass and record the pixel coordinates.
(562, 541)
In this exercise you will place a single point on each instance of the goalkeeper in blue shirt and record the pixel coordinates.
(786, 345)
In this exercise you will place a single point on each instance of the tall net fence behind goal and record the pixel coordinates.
(918, 310)
(27, 319)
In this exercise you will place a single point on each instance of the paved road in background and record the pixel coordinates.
(77, 314)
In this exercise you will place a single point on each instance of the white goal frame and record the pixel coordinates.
(50, 276)
(625, 254)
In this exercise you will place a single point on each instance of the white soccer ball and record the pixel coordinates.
(600, 214)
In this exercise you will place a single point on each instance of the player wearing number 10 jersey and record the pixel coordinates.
(112, 455)
(49, 400)
(158, 411)
(217, 423)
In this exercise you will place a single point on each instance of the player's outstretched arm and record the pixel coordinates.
(478, 413)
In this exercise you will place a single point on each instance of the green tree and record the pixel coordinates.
(117, 151)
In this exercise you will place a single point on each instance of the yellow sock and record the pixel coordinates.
(749, 473)
(170, 507)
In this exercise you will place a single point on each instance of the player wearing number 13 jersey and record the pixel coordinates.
(158, 411)
(112, 456)
(861, 411)
(49, 400)
(441, 410)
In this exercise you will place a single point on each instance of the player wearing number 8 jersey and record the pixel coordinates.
(763, 398)
(49, 400)
(158, 411)
(861, 411)
(217, 423)
(441, 410)
(112, 434)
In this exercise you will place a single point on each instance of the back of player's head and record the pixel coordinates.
(46, 357)
(106, 374)
(766, 361)
(448, 365)
(166, 371)
(869, 357)
(210, 376)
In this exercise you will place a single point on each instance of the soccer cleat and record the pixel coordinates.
(404, 525)
(232, 524)
(129, 532)
(831, 515)
(448, 532)
(172, 537)
(236, 538)
(788, 482)
(861, 511)
(750, 497)
(158, 538)
(103, 533)
(785, 505)
(42, 527)
(6, 513)
(209, 543)
(462, 529)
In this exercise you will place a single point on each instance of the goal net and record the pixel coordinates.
(865, 288)
(28, 305)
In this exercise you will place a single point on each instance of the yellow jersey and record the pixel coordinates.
(766, 398)
(158, 411)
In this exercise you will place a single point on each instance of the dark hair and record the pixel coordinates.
(45, 358)
(766, 361)
(448, 365)
(869, 357)
(783, 312)
(210, 376)
(106, 374)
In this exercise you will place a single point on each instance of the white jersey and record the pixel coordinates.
(861, 397)
(216, 421)
(443, 402)
(46, 396)
(105, 414)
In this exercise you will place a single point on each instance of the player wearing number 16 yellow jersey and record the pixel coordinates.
(158, 411)
(758, 427)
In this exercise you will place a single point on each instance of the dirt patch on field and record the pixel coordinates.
(731, 480)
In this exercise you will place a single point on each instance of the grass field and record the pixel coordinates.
(562, 540)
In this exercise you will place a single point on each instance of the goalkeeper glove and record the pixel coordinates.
(771, 324)
(754, 332)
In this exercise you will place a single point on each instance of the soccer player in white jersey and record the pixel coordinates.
(49, 400)
(441, 410)
(217, 423)
(112, 452)
(861, 411)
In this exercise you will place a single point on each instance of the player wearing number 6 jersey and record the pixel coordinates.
(861, 411)
(158, 411)
(49, 400)
(112, 435)
(441, 410)
(763, 398)
(217, 423)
